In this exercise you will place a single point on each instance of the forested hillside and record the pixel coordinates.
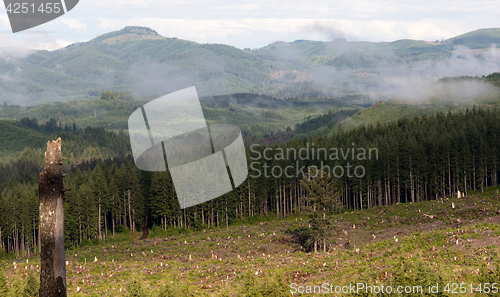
(24, 141)
(138, 59)
(409, 160)
(258, 116)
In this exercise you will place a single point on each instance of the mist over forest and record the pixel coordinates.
(137, 59)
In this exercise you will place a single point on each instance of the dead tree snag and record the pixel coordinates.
(51, 195)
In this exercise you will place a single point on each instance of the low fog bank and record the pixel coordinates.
(418, 82)
(359, 69)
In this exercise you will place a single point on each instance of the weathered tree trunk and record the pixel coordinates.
(113, 217)
(227, 220)
(51, 194)
(130, 213)
(34, 235)
(22, 242)
(105, 227)
(124, 209)
(249, 210)
(99, 219)
(16, 240)
(133, 221)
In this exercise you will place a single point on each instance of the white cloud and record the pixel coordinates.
(14, 52)
(258, 32)
(72, 23)
(293, 9)
(426, 30)
(4, 21)
(260, 22)
(36, 40)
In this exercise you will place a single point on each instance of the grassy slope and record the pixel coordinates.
(440, 101)
(452, 243)
(388, 111)
(385, 112)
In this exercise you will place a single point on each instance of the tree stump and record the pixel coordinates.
(51, 195)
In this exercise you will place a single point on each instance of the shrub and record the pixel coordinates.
(135, 289)
(415, 273)
(272, 286)
(121, 229)
(487, 276)
(305, 237)
(175, 289)
(32, 286)
(17, 289)
(4, 290)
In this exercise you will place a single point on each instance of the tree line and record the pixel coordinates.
(419, 159)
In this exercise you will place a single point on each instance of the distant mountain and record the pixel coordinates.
(140, 60)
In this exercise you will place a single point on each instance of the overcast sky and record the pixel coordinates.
(258, 23)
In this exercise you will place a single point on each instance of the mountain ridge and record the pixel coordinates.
(139, 59)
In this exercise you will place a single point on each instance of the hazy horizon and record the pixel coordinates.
(257, 24)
